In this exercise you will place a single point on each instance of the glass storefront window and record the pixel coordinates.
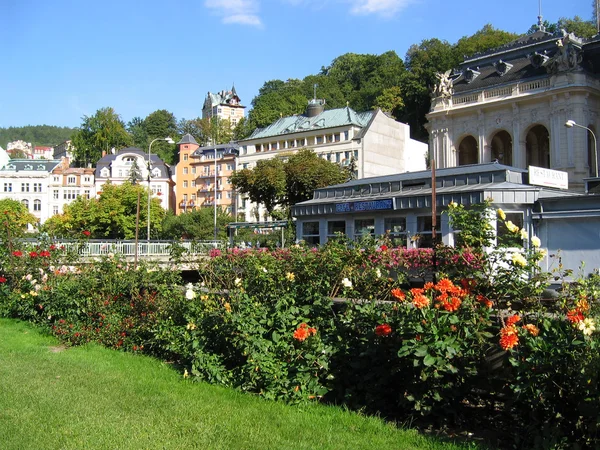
(310, 233)
(364, 227)
(424, 232)
(336, 226)
(395, 229)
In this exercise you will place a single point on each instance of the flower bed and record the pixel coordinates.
(265, 322)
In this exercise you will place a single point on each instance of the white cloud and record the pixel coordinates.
(242, 12)
(387, 7)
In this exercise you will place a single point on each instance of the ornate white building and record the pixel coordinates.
(117, 168)
(511, 104)
(225, 105)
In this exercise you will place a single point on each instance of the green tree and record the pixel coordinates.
(138, 133)
(242, 130)
(16, 218)
(305, 171)
(215, 130)
(581, 28)
(44, 135)
(112, 215)
(135, 174)
(484, 39)
(279, 99)
(265, 183)
(158, 125)
(197, 224)
(192, 126)
(99, 133)
(390, 100)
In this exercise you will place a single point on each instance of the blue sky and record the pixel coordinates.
(61, 60)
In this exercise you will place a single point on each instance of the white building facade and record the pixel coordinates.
(117, 168)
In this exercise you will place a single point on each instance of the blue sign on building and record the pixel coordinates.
(374, 205)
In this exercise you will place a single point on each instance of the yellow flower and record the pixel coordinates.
(453, 204)
(512, 227)
(535, 241)
(501, 214)
(191, 326)
(186, 374)
(290, 276)
(237, 281)
(518, 259)
(204, 298)
(227, 307)
(524, 234)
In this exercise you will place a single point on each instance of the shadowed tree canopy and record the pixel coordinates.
(264, 184)
(99, 133)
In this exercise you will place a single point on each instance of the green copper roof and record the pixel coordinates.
(327, 119)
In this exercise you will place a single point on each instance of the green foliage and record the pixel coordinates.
(112, 215)
(99, 133)
(15, 219)
(274, 182)
(486, 38)
(264, 184)
(139, 135)
(42, 135)
(197, 224)
(473, 224)
(159, 125)
(305, 171)
(581, 28)
(348, 323)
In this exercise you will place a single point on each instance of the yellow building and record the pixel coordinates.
(225, 105)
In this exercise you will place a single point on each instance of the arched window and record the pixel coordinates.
(37, 205)
(467, 151)
(537, 147)
(501, 147)
(25, 203)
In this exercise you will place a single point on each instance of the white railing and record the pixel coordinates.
(145, 249)
(505, 91)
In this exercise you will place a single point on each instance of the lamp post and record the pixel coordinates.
(170, 141)
(571, 124)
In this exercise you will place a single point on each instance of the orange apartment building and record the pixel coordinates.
(196, 183)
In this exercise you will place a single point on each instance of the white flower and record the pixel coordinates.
(535, 241)
(587, 326)
(378, 273)
(237, 281)
(264, 270)
(452, 204)
(190, 294)
(347, 283)
(524, 234)
(189, 286)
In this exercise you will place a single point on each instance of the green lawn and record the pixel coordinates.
(91, 397)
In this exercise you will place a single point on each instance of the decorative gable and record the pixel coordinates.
(502, 67)
(470, 74)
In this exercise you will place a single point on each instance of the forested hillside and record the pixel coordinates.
(42, 135)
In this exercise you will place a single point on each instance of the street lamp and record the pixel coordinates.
(170, 141)
(571, 124)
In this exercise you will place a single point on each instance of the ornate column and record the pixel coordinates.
(517, 149)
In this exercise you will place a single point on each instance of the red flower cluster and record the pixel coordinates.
(509, 337)
(512, 320)
(33, 254)
(17, 253)
(485, 301)
(383, 330)
(86, 233)
(398, 294)
(44, 253)
(575, 315)
(303, 332)
(2, 279)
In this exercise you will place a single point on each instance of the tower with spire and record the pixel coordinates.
(225, 105)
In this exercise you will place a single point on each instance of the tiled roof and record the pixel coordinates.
(35, 165)
(327, 119)
(187, 139)
(107, 160)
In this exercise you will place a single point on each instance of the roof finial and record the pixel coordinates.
(541, 26)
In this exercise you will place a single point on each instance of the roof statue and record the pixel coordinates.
(444, 86)
(569, 54)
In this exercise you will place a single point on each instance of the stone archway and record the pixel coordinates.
(467, 151)
(501, 148)
(537, 147)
